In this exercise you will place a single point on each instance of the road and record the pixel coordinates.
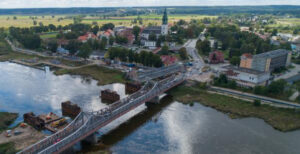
(273, 101)
(198, 62)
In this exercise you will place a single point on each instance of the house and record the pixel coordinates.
(63, 51)
(245, 77)
(216, 57)
(86, 37)
(168, 60)
(127, 33)
(149, 44)
(97, 55)
(107, 34)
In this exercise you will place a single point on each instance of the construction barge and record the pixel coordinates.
(109, 96)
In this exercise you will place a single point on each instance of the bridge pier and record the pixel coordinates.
(92, 139)
(154, 100)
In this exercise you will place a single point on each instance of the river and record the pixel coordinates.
(170, 127)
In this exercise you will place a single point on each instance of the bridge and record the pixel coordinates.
(87, 123)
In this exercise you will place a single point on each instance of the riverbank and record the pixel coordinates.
(6, 119)
(279, 118)
(101, 74)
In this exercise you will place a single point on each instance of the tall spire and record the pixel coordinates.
(165, 18)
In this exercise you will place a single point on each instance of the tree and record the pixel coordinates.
(95, 29)
(136, 32)
(274, 32)
(257, 103)
(203, 47)
(183, 53)
(107, 26)
(52, 27)
(103, 43)
(111, 40)
(85, 51)
(152, 37)
(235, 61)
(34, 23)
(164, 50)
(73, 46)
(53, 46)
(15, 18)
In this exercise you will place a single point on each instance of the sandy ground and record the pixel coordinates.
(27, 138)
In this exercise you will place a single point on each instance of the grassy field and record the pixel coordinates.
(7, 148)
(101, 74)
(281, 119)
(48, 36)
(6, 119)
(25, 21)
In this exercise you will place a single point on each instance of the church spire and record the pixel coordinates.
(165, 18)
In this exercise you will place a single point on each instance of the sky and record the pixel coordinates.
(128, 3)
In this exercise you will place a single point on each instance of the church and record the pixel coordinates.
(157, 30)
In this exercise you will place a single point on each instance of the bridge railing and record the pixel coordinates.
(86, 123)
(46, 142)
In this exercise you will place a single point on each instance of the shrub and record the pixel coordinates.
(257, 103)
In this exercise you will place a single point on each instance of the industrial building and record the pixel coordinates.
(267, 61)
(246, 77)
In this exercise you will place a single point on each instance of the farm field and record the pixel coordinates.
(155, 19)
(25, 21)
(286, 22)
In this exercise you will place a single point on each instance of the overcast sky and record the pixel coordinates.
(118, 3)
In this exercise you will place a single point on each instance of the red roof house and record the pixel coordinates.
(168, 60)
(86, 37)
(216, 57)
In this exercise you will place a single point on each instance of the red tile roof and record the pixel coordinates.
(168, 60)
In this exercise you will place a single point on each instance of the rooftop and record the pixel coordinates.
(245, 70)
(272, 54)
(152, 29)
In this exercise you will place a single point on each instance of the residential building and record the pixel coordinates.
(216, 57)
(267, 61)
(107, 34)
(127, 33)
(168, 60)
(245, 77)
(86, 37)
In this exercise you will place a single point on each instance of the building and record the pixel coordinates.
(168, 60)
(267, 61)
(155, 30)
(86, 37)
(216, 57)
(127, 33)
(107, 34)
(246, 60)
(245, 77)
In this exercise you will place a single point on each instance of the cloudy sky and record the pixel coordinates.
(117, 3)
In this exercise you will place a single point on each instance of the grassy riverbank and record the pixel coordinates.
(7, 148)
(101, 74)
(7, 119)
(279, 118)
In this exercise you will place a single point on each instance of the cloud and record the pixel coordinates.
(128, 3)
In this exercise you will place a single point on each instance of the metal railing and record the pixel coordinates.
(89, 122)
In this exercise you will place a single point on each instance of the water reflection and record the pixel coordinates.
(179, 128)
(24, 89)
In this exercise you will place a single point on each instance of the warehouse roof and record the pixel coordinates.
(272, 54)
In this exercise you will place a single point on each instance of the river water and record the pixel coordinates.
(170, 127)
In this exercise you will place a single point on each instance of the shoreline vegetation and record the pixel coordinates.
(279, 118)
(6, 119)
(101, 74)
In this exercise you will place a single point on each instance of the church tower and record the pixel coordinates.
(164, 26)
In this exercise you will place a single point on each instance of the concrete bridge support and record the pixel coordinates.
(92, 139)
(154, 100)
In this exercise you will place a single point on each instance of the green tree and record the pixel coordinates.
(84, 51)
(53, 46)
(103, 43)
(136, 32)
(107, 26)
(95, 29)
(164, 50)
(235, 61)
(73, 46)
(152, 37)
(183, 54)
(257, 103)
(111, 40)
(203, 47)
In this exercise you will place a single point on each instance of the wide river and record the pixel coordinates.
(170, 127)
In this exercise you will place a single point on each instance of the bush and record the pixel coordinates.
(257, 103)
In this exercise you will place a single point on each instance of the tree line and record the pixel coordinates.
(144, 57)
